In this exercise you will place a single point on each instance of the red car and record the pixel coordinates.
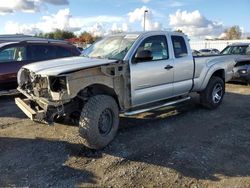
(13, 55)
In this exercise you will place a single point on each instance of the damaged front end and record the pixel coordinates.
(44, 96)
(50, 95)
(242, 70)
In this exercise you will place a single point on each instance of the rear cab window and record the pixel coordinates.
(179, 46)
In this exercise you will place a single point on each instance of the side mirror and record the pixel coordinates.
(143, 55)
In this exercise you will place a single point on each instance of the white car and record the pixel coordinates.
(209, 51)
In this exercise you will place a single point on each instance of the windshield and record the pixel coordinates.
(114, 47)
(229, 50)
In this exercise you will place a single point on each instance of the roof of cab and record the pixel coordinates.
(141, 33)
(240, 44)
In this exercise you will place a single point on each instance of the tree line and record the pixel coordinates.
(232, 33)
(83, 38)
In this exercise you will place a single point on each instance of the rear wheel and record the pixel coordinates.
(212, 96)
(99, 121)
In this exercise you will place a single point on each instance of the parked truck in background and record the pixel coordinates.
(121, 74)
(241, 53)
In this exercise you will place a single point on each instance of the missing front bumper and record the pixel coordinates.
(32, 113)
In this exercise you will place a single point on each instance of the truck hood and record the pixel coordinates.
(64, 65)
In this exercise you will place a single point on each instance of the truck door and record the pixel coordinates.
(183, 66)
(152, 80)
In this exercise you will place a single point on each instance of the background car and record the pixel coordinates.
(196, 53)
(18, 50)
(237, 49)
(242, 67)
(242, 70)
(209, 51)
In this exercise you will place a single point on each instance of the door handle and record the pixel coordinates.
(168, 67)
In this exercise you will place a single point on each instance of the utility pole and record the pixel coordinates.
(145, 12)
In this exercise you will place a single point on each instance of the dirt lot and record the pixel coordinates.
(183, 146)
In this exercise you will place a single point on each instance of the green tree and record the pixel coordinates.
(58, 34)
(233, 33)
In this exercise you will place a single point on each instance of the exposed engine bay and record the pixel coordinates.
(41, 86)
(53, 96)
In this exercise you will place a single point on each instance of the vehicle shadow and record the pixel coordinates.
(193, 141)
(238, 83)
(39, 163)
(8, 107)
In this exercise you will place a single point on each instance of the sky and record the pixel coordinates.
(198, 19)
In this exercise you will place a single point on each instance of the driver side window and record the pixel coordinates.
(156, 46)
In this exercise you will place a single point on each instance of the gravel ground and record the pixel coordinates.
(183, 146)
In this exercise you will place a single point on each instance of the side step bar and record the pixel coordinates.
(131, 113)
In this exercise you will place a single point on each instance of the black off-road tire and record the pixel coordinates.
(207, 98)
(94, 132)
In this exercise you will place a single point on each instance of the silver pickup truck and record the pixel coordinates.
(120, 74)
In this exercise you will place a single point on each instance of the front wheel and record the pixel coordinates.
(212, 96)
(99, 121)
